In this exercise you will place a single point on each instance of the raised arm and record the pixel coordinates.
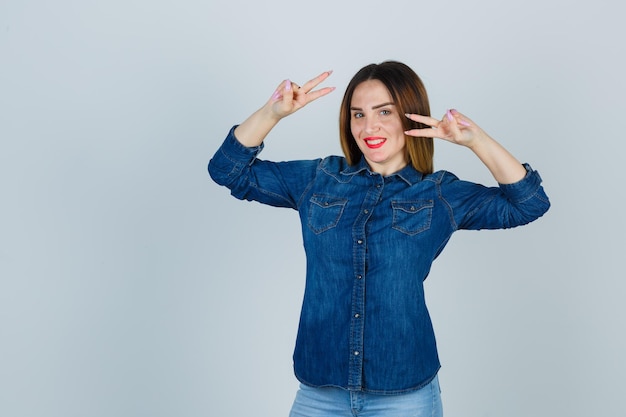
(287, 99)
(457, 128)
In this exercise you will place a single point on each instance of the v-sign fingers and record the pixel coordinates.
(311, 84)
(427, 120)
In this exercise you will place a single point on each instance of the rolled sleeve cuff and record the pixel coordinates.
(525, 188)
(231, 159)
(236, 151)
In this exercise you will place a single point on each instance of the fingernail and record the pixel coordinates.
(407, 115)
(449, 114)
(276, 95)
(464, 123)
(288, 85)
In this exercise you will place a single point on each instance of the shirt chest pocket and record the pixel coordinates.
(325, 212)
(412, 217)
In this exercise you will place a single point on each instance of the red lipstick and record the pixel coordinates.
(374, 142)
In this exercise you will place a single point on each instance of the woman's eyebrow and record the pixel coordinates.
(390, 103)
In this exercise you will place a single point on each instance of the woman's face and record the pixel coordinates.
(377, 127)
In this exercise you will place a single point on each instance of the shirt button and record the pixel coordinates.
(359, 241)
(356, 353)
(359, 276)
(357, 315)
(366, 211)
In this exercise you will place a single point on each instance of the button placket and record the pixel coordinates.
(358, 291)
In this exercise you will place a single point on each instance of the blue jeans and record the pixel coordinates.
(337, 402)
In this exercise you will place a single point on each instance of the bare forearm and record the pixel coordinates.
(255, 128)
(504, 167)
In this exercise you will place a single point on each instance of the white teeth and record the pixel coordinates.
(375, 141)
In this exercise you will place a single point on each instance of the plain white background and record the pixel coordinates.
(131, 285)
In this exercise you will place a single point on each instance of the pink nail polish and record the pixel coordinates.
(276, 95)
(464, 123)
(288, 85)
(450, 118)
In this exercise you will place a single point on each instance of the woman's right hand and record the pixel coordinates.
(289, 97)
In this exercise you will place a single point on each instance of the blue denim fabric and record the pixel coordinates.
(337, 402)
(370, 242)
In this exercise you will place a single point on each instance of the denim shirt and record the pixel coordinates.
(370, 242)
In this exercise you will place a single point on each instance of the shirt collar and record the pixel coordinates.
(408, 174)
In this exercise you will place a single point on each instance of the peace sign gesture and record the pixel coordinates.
(457, 128)
(289, 97)
(453, 127)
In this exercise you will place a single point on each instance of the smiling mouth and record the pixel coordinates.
(374, 142)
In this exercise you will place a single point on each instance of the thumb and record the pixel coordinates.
(288, 92)
(279, 93)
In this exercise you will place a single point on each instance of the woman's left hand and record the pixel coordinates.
(453, 127)
(456, 128)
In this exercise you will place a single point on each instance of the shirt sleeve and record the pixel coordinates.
(474, 206)
(279, 184)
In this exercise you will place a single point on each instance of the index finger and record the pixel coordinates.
(311, 84)
(427, 120)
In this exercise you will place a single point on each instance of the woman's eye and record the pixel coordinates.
(358, 115)
(385, 112)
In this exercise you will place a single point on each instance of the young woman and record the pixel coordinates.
(373, 222)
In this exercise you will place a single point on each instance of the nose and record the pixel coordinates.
(371, 124)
